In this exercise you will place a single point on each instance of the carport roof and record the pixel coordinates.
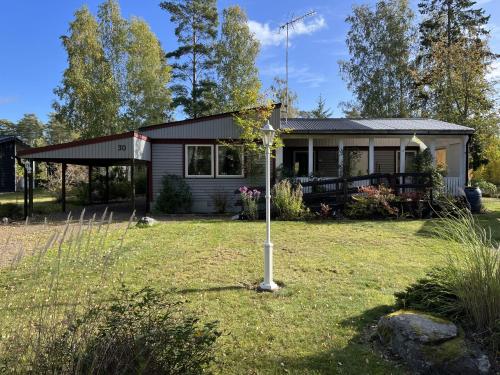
(101, 151)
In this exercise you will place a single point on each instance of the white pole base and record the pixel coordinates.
(268, 287)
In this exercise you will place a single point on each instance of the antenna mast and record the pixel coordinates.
(286, 26)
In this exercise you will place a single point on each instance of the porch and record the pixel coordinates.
(331, 157)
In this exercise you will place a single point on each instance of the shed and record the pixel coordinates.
(9, 146)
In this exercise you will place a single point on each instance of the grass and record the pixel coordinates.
(338, 278)
(44, 203)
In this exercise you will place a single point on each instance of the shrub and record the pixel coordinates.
(175, 195)
(372, 203)
(11, 210)
(423, 163)
(220, 202)
(487, 188)
(137, 332)
(249, 200)
(287, 201)
(325, 211)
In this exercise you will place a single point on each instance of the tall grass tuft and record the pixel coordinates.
(64, 276)
(473, 268)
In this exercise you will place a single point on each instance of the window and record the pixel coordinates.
(230, 161)
(409, 161)
(198, 161)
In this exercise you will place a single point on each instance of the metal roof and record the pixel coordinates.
(374, 126)
(10, 138)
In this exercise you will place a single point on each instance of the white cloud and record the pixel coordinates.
(274, 37)
(7, 99)
(302, 75)
(494, 72)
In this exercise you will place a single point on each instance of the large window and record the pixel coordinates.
(230, 161)
(199, 161)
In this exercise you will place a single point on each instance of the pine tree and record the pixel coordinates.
(449, 20)
(321, 111)
(58, 132)
(237, 51)
(380, 43)
(6, 127)
(30, 129)
(454, 58)
(196, 31)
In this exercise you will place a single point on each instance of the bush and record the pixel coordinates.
(249, 200)
(11, 210)
(175, 195)
(487, 188)
(138, 332)
(373, 203)
(287, 201)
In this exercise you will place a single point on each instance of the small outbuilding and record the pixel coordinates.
(9, 147)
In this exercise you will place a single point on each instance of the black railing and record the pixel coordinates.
(341, 189)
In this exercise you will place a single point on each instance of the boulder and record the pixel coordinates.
(146, 221)
(430, 345)
(5, 220)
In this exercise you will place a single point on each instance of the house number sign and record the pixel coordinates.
(122, 147)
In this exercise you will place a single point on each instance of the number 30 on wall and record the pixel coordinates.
(122, 147)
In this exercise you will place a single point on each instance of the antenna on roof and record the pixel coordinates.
(286, 26)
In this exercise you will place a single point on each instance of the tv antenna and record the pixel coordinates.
(286, 27)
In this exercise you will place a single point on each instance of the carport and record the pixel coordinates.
(126, 149)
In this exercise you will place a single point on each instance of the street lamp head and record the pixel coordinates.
(267, 134)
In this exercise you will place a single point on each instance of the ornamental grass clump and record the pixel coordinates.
(250, 202)
(64, 310)
(467, 287)
(287, 201)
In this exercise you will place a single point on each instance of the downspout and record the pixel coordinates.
(25, 187)
(467, 160)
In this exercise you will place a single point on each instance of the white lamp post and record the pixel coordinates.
(268, 284)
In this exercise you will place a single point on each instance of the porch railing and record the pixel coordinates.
(340, 189)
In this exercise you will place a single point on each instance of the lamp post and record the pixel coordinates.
(268, 284)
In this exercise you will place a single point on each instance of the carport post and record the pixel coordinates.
(63, 190)
(107, 184)
(25, 191)
(90, 185)
(149, 194)
(132, 183)
(30, 189)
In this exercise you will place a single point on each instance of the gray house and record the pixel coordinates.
(195, 150)
(9, 146)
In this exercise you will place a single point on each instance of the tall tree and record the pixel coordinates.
(237, 50)
(278, 93)
(87, 95)
(6, 127)
(58, 131)
(449, 20)
(196, 30)
(113, 33)
(117, 75)
(380, 43)
(454, 58)
(321, 111)
(30, 129)
(148, 99)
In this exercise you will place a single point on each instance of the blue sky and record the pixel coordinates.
(32, 59)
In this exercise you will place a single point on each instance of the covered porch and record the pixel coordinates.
(321, 156)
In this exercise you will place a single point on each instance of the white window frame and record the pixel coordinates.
(186, 161)
(242, 175)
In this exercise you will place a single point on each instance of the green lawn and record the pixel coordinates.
(338, 278)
